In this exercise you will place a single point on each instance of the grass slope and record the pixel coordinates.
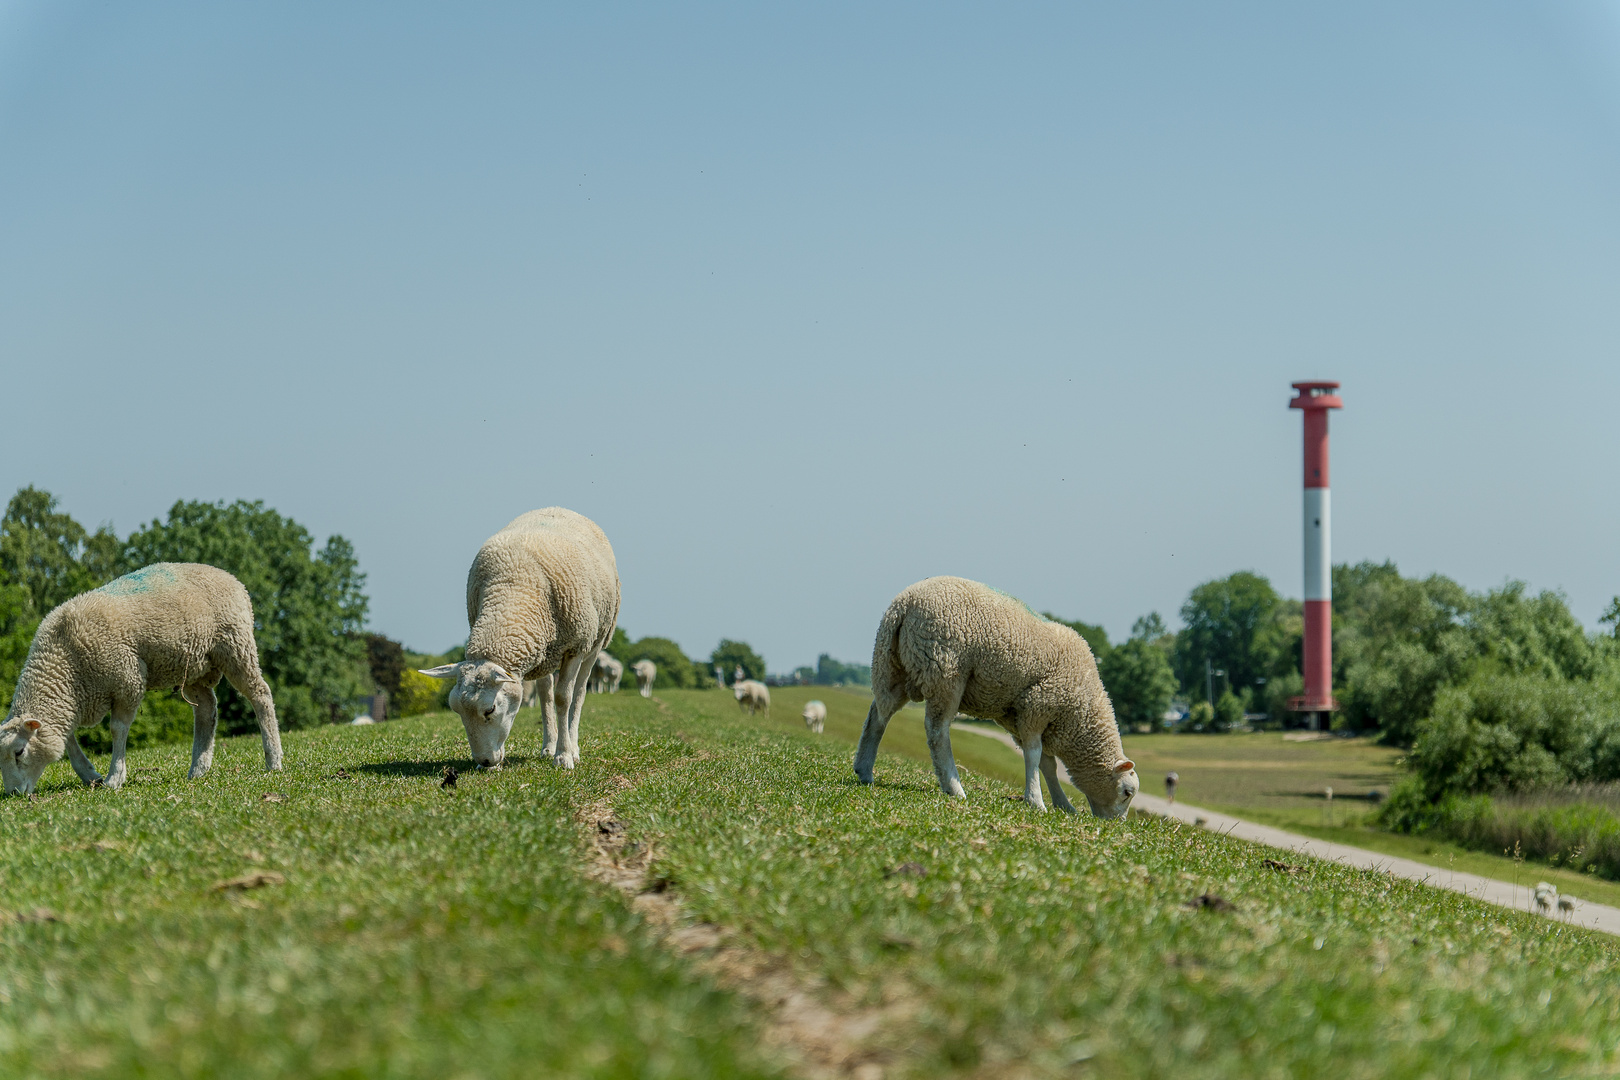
(426, 933)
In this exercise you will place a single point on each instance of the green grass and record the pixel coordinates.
(419, 933)
(423, 933)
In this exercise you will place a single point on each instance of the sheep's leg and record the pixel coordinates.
(548, 714)
(1059, 799)
(1032, 773)
(205, 716)
(123, 715)
(937, 725)
(576, 708)
(568, 690)
(243, 673)
(81, 761)
(871, 735)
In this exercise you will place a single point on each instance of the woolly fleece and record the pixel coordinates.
(646, 672)
(964, 647)
(542, 601)
(169, 624)
(753, 696)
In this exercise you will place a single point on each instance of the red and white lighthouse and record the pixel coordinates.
(1315, 399)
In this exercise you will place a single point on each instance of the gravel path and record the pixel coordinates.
(1502, 893)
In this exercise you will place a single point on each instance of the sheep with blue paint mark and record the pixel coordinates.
(182, 625)
(960, 646)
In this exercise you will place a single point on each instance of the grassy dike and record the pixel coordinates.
(424, 933)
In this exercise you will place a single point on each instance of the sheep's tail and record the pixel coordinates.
(888, 676)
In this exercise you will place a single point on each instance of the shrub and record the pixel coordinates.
(729, 655)
(419, 693)
(1228, 712)
(1139, 681)
(1201, 717)
(1517, 733)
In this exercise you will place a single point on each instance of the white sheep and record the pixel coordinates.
(961, 646)
(605, 675)
(815, 716)
(1546, 896)
(645, 671)
(169, 624)
(542, 600)
(753, 696)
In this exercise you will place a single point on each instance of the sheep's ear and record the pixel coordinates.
(29, 726)
(443, 671)
(1124, 765)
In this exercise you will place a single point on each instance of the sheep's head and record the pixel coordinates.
(26, 747)
(487, 696)
(1110, 795)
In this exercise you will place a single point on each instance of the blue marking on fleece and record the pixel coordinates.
(143, 580)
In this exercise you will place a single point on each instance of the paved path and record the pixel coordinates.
(1502, 893)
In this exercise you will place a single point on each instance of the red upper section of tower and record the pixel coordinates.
(1316, 395)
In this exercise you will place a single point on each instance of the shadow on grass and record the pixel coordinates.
(432, 768)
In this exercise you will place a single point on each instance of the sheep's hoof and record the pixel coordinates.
(197, 772)
(565, 761)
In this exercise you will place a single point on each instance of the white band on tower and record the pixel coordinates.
(1318, 564)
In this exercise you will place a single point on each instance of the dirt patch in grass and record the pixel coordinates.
(821, 1031)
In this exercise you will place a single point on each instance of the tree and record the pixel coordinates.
(674, 667)
(386, 659)
(1233, 623)
(830, 672)
(1139, 681)
(17, 624)
(729, 655)
(309, 606)
(48, 553)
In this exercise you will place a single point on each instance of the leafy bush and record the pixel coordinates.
(1517, 733)
(419, 693)
(729, 655)
(1201, 717)
(1139, 681)
(1228, 712)
(676, 671)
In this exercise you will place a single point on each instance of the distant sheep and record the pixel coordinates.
(646, 673)
(1566, 905)
(605, 675)
(542, 600)
(815, 716)
(1546, 896)
(959, 645)
(753, 696)
(169, 624)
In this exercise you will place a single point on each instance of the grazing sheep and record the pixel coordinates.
(605, 675)
(1170, 781)
(1546, 895)
(542, 600)
(959, 645)
(1566, 905)
(169, 624)
(752, 696)
(815, 716)
(645, 671)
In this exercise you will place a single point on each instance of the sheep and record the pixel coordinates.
(645, 671)
(1566, 905)
(815, 716)
(959, 645)
(542, 600)
(752, 696)
(605, 675)
(1546, 895)
(169, 624)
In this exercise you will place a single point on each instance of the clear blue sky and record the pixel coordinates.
(803, 303)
